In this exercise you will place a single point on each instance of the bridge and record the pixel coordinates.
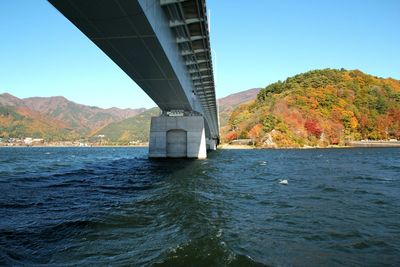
(164, 46)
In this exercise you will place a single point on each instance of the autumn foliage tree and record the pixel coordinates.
(231, 136)
(313, 128)
(255, 132)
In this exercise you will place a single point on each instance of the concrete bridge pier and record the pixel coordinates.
(211, 144)
(177, 137)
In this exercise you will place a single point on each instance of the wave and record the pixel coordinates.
(13, 205)
(206, 251)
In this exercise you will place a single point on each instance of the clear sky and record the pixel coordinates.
(256, 42)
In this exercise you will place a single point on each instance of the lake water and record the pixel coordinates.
(113, 206)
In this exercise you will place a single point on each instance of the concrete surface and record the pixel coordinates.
(177, 137)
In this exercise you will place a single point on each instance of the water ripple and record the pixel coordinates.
(107, 206)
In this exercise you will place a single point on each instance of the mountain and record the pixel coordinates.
(57, 118)
(320, 108)
(19, 121)
(229, 103)
(136, 128)
(83, 119)
(7, 100)
(54, 118)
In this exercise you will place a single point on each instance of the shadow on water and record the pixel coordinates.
(193, 205)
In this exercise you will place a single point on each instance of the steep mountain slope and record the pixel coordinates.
(229, 103)
(54, 118)
(7, 100)
(19, 121)
(81, 118)
(136, 128)
(320, 107)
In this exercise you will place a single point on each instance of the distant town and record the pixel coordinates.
(39, 142)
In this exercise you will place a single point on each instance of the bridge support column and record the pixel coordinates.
(211, 144)
(177, 137)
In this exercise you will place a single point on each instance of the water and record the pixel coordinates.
(113, 206)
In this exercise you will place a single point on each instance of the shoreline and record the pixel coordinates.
(248, 147)
(353, 144)
(61, 146)
(375, 144)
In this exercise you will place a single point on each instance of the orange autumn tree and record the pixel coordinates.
(256, 132)
(230, 136)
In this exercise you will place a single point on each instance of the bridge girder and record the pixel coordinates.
(174, 67)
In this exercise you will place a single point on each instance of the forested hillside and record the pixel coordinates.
(82, 118)
(136, 128)
(229, 103)
(54, 118)
(320, 108)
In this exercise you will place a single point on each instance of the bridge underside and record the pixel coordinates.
(163, 45)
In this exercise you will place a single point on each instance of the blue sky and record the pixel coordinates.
(256, 42)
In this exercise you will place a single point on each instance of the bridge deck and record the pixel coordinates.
(163, 45)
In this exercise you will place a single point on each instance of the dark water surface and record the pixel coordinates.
(113, 206)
